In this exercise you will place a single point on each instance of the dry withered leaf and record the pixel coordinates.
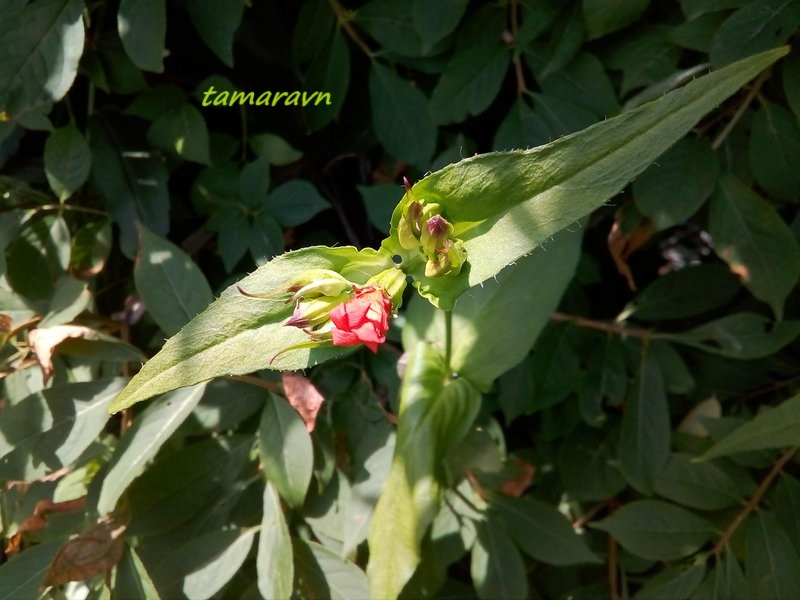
(5, 328)
(44, 341)
(94, 551)
(303, 396)
(621, 245)
(516, 487)
(38, 521)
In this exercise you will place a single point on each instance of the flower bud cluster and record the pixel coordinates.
(423, 228)
(329, 307)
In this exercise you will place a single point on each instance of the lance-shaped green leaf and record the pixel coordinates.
(143, 441)
(50, 429)
(741, 335)
(657, 530)
(237, 334)
(435, 415)
(274, 562)
(753, 239)
(172, 286)
(504, 204)
(774, 428)
(284, 445)
(645, 433)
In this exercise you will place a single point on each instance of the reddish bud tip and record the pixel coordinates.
(406, 182)
(437, 226)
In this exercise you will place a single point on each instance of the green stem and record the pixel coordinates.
(448, 338)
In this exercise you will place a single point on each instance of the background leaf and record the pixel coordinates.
(774, 150)
(771, 565)
(602, 17)
(657, 530)
(67, 160)
(217, 23)
(170, 284)
(755, 242)
(774, 428)
(753, 28)
(401, 118)
(676, 186)
(142, 27)
(275, 566)
(645, 435)
(132, 181)
(43, 44)
(143, 441)
(496, 567)
(285, 448)
(541, 531)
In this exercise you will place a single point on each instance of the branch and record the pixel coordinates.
(740, 111)
(602, 326)
(344, 22)
(754, 501)
(521, 87)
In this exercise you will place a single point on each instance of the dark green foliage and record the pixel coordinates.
(616, 407)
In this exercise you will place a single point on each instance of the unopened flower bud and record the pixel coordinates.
(434, 233)
(437, 266)
(405, 234)
(310, 313)
(392, 281)
(318, 282)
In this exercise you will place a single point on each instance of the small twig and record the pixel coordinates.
(772, 388)
(476, 487)
(258, 382)
(521, 87)
(613, 570)
(68, 207)
(740, 110)
(602, 326)
(344, 23)
(754, 501)
(590, 514)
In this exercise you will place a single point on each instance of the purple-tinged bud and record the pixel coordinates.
(434, 233)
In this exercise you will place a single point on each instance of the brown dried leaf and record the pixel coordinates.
(5, 328)
(44, 341)
(517, 486)
(303, 396)
(37, 521)
(94, 551)
(621, 245)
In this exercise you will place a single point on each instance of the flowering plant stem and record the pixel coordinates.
(448, 337)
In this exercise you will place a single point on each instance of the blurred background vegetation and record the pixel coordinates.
(578, 480)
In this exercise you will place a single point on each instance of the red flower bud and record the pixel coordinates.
(363, 319)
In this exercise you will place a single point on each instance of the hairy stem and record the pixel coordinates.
(448, 339)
